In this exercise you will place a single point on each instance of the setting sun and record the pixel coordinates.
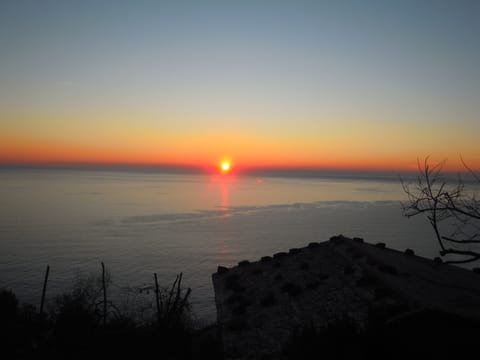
(225, 166)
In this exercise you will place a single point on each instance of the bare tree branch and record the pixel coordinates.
(451, 209)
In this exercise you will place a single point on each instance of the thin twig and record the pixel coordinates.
(44, 289)
(104, 287)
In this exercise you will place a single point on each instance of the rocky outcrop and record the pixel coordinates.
(260, 304)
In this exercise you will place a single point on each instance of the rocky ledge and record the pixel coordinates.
(260, 304)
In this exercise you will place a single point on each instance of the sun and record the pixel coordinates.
(225, 166)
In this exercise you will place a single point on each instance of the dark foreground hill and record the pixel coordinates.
(339, 299)
(345, 298)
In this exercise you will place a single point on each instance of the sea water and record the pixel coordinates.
(140, 223)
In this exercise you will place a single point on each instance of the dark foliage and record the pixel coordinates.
(339, 340)
(425, 334)
(74, 328)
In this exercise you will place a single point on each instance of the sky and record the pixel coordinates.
(292, 84)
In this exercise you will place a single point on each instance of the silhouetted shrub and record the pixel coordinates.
(426, 334)
(8, 321)
(8, 308)
(21, 327)
(73, 327)
(206, 344)
(75, 324)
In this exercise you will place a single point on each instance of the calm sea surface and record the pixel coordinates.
(141, 223)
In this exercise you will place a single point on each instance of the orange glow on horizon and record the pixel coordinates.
(250, 153)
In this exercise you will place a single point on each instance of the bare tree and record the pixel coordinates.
(451, 207)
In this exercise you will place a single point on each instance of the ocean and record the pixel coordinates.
(140, 223)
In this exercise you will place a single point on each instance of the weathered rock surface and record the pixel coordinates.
(259, 304)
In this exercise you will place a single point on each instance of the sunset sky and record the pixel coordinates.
(322, 84)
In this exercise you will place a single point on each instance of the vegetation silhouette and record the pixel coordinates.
(425, 334)
(452, 209)
(84, 323)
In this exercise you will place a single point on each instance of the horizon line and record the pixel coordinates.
(278, 171)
